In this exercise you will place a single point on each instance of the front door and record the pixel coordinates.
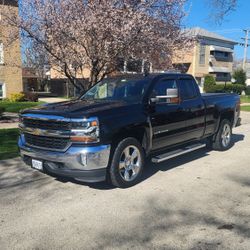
(168, 120)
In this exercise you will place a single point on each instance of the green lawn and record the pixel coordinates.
(8, 145)
(245, 108)
(245, 99)
(15, 107)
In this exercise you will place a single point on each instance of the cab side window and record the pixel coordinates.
(187, 89)
(162, 86)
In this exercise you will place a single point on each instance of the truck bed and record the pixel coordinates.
(227, 99)
(208, 95)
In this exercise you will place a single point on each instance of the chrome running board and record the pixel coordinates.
(182, 151)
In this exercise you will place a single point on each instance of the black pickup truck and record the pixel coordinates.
(110, 130)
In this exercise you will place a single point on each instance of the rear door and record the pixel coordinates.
(194, 108)
(168, 120)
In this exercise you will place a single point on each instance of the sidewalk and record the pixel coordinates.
(9, 120)
(52, 99)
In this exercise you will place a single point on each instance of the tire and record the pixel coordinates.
(127, 163)
(223, 139)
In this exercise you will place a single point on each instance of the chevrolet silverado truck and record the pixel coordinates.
(109, 131)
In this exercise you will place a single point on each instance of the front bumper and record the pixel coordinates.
(79, 162)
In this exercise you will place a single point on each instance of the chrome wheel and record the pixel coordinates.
(130, 163)
(226, 135)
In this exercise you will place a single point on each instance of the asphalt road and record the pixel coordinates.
(197, 201)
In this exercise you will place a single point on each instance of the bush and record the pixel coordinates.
(240, 76)
(30, 96)
(19, 97)
(209, 82)
(229, 88)
(238, 88)
(2, 109)
(247, 90)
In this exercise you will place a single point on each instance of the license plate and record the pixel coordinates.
(37, 164)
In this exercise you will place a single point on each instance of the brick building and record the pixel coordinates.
(211, 54)
(10, 56)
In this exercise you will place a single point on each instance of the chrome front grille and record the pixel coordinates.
(46, 131)
(46, 142)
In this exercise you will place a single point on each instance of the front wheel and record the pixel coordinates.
(223, 139)
(127, 163)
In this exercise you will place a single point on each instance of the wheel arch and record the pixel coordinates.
(228, 115)
(140, 133)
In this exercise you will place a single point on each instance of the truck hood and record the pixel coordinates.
(79, 108)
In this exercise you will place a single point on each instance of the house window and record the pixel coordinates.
(202, 54)
(223, 77)
(1, 91)
(1, 53)
(220, 54)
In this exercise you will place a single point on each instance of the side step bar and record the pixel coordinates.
(172, 154)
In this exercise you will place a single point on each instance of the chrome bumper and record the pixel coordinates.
(73, 162)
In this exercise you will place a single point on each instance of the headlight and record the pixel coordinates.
(86, 131)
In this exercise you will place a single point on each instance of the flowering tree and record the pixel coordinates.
(78, 35)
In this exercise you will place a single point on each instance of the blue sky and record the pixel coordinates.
(232, 27)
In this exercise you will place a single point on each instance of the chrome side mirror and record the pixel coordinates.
(171, 97)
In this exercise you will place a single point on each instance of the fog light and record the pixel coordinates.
(84, 160)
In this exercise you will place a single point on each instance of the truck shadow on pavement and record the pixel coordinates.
(176, 224)
(12, 175)
(151, 168)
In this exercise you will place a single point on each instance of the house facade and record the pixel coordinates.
(10, 56)
(211, 54)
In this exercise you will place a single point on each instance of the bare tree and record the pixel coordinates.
(79, 35)
(36, 59)
(219, 9)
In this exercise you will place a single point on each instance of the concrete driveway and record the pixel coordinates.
(197, 201)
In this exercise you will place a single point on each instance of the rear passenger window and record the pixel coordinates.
(187, 89)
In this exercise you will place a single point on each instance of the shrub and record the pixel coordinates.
(30, 96)
(240, 76)
(237, 88)
(19, 97)
(2, 109)
(229, 88)
(209, 82)
(215, 89)
(247, 90)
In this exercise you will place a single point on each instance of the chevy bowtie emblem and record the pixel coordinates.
(37, 132)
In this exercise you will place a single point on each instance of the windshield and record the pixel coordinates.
(118, 89)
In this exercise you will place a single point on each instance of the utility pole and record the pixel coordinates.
(246, 39)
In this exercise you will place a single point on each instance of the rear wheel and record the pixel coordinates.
(127, 163)
(223, 139)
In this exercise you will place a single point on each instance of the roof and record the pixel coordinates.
(202, 33)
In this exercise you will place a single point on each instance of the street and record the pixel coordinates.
(197, 201)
